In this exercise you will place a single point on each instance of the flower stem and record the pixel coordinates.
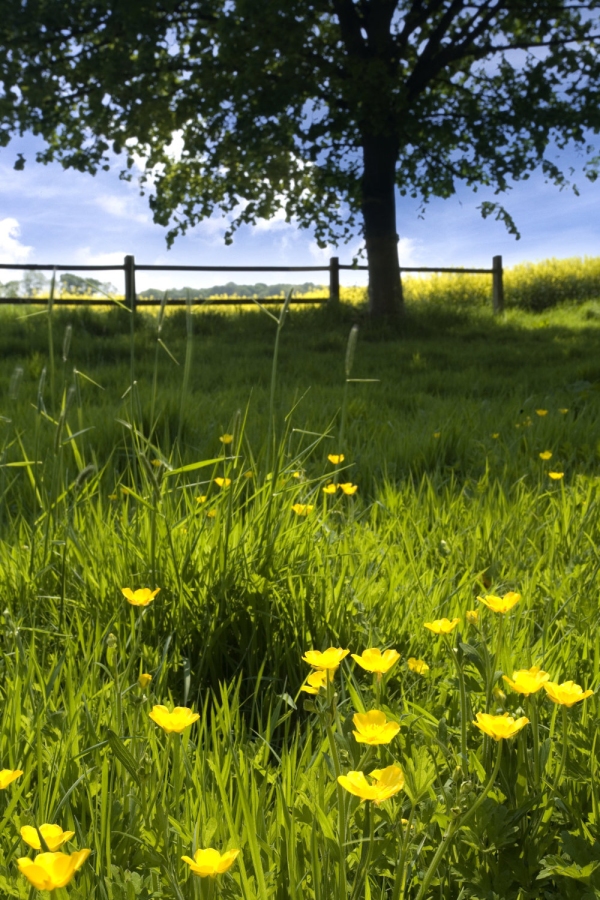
(363, 870)
(533, 715)
(328, 719)
(463, 708)
(563, 758)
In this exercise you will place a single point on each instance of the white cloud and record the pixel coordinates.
(120, 207)
(11, 248)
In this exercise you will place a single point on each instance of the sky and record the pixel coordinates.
(49, 215)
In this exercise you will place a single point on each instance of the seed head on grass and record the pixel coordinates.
(209, 862)
(139, 597)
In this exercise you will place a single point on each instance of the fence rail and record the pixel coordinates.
(130, 267)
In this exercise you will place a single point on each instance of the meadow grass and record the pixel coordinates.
(115, 486)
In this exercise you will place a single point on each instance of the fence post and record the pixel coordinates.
(497, 285)
(130, 296)
(334, 281)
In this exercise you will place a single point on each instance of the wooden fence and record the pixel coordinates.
(130, 267)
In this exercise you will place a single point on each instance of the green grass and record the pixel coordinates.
(100, 490)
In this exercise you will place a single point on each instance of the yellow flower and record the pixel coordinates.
(157, 463)
(315, 681)
(373, 660)
(176, 721)
(472, 616)
(211, 862)
(329, 659)
(330, 489)
(49, 871)
(388, 782)
(140, 597)
(436, 434)
(563, 411)
(542, 412)
(112, 496)
(566, 694)
(7, 776)
(223, 482)
(249, 474)
(226, 438)
(500, 727)
(144, 680)
(349, 488)
(373, 728)
(53, 835)
(496, 435)
(417, 665)
(527, 681)
(302, 509)
(201, 499)
(556, 476)
(500, 604)
(296, 474)
(336, 458)
(211, 514)
(442, 626)
(546, 454)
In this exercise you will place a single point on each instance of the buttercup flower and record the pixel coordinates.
(330, 488)
(7, 776)
(496, 435)
(472, 616)
(500, 604)
(223, 482)
(176, 721)
(249, 474)
(546, 454)
(144, 680)
(329, 659)
(336, 458)
(442, 626)
(387, 782)
(315, 681)
(373, 660)
(566, 694)
(417, 665)
(54, 836)
(49, 871)
(302, 509)
(297, 474)
(211, 862)
(226, 438)
(563, 411)
(437, 434)
(201, 499)
(349, 488)
(500, 727)
(140, 597)
(542, 412)
(373, 728)
(527, 681)
(556, 476)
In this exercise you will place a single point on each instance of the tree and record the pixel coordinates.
(320, 108)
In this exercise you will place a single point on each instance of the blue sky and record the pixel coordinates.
(56, 216)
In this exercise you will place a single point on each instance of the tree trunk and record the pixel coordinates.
(379, 213)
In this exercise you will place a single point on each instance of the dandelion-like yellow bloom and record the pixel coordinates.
(417, 665)
(7, 776)
(527, 681)
(328, 659)
(223, 482)
(472, 616)
(176, 721)
(566, 694)
(500, 727)
(139, 597)
(53, 835)
(316, 680)
(144, 680)
(500, 604)
(442, 626)
(348, 488)
(556, 476)
(210, 862)
(541, 412)
(373, 660)
(373, 728)
(302, 509)
(387, 782)
(546, 454)
(330, 489)
(49, 871)
(336, 458)
(226, 439)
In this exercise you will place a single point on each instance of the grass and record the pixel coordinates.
(113, 486)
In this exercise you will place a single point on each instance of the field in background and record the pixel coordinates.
(111, 453)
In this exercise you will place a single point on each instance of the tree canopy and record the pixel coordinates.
(320, 108)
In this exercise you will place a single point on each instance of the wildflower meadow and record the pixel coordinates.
(294, 607)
